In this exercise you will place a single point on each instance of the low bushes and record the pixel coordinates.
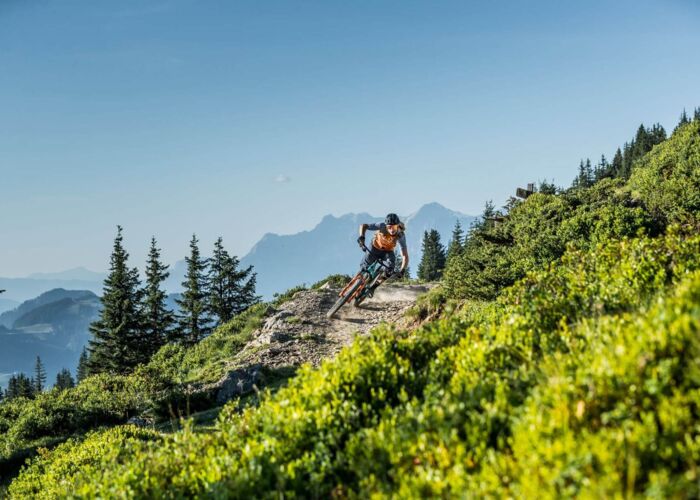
(505, 398)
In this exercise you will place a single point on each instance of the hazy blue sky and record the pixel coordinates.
(239, 118)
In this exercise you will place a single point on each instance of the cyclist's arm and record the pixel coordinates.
(404, 252)
(371, 227)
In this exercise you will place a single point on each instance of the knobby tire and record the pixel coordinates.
(344, 298)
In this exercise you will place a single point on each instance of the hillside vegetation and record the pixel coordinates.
(564, 362)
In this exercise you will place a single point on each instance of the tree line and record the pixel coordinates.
(435, 256)
(623, 159)
(135, 321)
(20, 385)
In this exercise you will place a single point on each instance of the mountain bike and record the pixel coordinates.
(359, 287)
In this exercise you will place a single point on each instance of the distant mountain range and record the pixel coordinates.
(53, 326)
(280, 261)
(75, 274)
(48, 314)
(21, 289)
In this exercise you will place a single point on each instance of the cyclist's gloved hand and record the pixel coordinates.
(361, 241)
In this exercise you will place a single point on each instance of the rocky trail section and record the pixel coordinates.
(299, 332)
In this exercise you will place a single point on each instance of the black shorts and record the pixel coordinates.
(388, 258)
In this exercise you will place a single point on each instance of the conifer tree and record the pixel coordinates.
(589, 173)
(159, 321)
(657, 135)
(696, 114)
(20, 386)
(64, 380)
(546, 187)
(584, 178)
(616, 166)
(602, 169)
(39, 376)
(456, 243)
(485, 222)
(193, 322)
(642, 142)
(682, 120)
(231, 291)
(433, 260)
(11, 391)
(627, 159)
(83, 367)
(117, 338)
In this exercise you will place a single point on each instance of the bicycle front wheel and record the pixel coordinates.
(344, 298)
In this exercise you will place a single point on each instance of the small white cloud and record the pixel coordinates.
(282, 179)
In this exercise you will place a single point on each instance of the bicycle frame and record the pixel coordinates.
(358, 285)
(371, 273)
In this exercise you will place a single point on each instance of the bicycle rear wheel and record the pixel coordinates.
(344, 298)
(363, 294)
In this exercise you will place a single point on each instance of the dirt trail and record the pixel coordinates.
(298, 332)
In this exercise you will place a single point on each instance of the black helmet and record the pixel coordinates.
(391, 220)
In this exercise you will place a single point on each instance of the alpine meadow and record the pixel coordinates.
(557, 356)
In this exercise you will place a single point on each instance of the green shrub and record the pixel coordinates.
(281, 298)
(485, 400)
(617, 418)
(75, 458)
(664, 189)
(667, 180)
(334, 280)
(161, 388)
(581, 379)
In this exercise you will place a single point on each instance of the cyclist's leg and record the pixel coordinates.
(389, 260)
(368, 258)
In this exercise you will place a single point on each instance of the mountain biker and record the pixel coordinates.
(388, 234)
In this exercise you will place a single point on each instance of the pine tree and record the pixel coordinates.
(231, 291)
(627, 159)
(616, 166)
(39, 376)
(64, 380)
(20, 386)
(117, 338)
(456, 243)
(83, 366)
(642, 142)
(696, 114)
(602, 169)
(159, 321)
(546, 187)
(193, 321)
(682, 120)
(657, 134)
(485, 222)
(589, 173)
(584, 178)
(433, 260)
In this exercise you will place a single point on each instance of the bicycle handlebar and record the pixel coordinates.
(365, 249)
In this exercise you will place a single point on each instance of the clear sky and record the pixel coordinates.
(238, 118)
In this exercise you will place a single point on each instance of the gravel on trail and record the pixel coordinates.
(299, 332)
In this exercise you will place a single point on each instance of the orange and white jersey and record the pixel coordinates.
(385, 241)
